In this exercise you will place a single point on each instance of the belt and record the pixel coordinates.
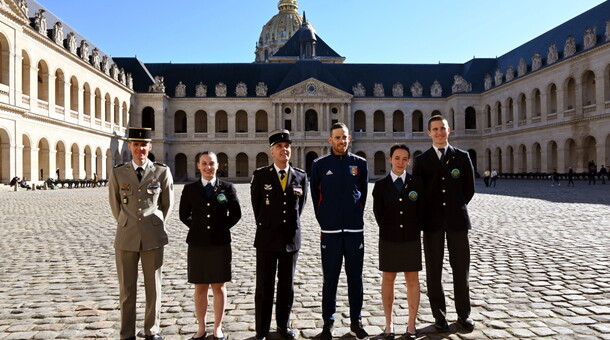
(342, 231)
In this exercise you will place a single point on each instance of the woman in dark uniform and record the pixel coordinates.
(397, 204)
(209, 207)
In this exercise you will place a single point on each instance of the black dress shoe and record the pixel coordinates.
(201, 337)
(388, 336)
(441, 324)
(260, 337)
(287, 333)
(219, 338)
(466, 323)
(153, 337)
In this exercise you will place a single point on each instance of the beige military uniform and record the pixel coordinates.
(140, 209)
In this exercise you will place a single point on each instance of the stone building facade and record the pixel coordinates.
(544, 105)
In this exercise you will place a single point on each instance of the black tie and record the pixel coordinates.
(282, 174)
(208, 189)
(442, 150)
(399, 183)
(139, 170)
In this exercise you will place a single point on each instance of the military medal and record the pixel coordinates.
(267, 200)
(455, 173)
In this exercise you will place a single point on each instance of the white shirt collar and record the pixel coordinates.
(438, 153)
(394, 176)
(205, 181)
(144, 166)
(277, 169)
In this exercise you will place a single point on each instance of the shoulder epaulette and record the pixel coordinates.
(119, 165)
(299, 170)
(161, 164)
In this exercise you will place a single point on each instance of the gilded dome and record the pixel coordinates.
(278, 30)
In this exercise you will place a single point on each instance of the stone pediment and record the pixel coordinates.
(312, 88)
(17, 9)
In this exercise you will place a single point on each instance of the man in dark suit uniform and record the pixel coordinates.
(141, 195)
(448, 177)
(278, 193)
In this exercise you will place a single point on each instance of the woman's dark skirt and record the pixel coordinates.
(209, 264)
(400, 257)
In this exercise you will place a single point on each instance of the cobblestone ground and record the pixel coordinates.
(540, 269)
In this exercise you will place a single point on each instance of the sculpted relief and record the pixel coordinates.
(180, 90)
(201, 90)
(221, 90)
(58, 33)
(460, 85)
(378, 90)
(522, 69)
(590, 37)
(552, 54)
(417, 90)
(158, 85)
(40, 22)
(487, 82)
(95, 58)
(129, 82)
(570, 47)
(397, 90)
(105, 65)
(261, 89)
(536, 62)
(510, 73)
(71, 43)
(241, 90)
(359, 90)
(84, 50)
(498, 78)
(436, 90)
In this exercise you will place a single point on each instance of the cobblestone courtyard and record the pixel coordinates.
(540, 268)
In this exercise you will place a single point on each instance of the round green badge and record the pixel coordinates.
(413, 195)
(221, 198)
(455, 173)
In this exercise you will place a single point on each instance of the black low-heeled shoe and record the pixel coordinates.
(201, 337)
(388, 336)
(411, 335)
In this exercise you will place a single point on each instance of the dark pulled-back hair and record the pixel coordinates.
(401, 147)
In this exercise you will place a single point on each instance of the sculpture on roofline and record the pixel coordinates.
(397, 90)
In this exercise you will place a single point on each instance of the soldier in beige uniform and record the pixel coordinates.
(141, 195)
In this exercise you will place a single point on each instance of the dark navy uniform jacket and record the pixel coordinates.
(209, 218)
(278, 212)
(449, 188)
(399, 214)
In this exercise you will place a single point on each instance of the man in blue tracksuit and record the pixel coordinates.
(338, 188)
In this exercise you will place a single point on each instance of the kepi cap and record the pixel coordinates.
(140, 134)
(279, 136)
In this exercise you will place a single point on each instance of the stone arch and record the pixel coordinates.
(488, 159)
(27, 157)
(125, 120)
(181, 167)
(522, 154)
(536, 158)
(398, 121)
(498, 157)
(180, 122)
(116, 116)
(510, 110)
(261, 121)
(109, 163)
(379, 121)
(43, 159)
(107, 107)
(43, 81)
(221, 122)
(536, 104)
(75, 161)
(359, 121)
(241, 165)
(86, 99)
(5, 154)
(551, 98)
(510, 152)
(570, 156)
(98, 162)
(311, 120)
(98, 103)
(241, 121)
(470, 118)
(451, 119)
(589, 149)
(262, 159)
(309, 158)
(73, 94)
(498, 113)
(569, 97)
(522, 107)
(417, 121)
(380, 162)
(5, 52)
(60, 158)
(59, 88)
(201, 121)
(26, 67)
(552, 156)
(148, 118)
(588, 88)
(88, 156)
(487, 111)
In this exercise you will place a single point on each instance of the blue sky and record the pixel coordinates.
(364, 31)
